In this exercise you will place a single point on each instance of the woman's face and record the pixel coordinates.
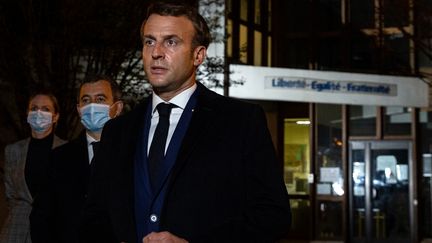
(39, 108)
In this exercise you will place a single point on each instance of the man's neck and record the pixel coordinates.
(95, 135)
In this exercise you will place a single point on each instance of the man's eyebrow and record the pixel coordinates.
(166, 37)
(101, 94)
(171, 37)
(149, 37)
(84, 96)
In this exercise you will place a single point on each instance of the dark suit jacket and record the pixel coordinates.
(226, 184)
(57, 215)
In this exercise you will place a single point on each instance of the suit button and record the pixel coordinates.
(153, 218)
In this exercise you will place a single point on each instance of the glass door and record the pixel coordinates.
(379, 191)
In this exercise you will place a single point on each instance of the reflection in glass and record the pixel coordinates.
(257, 15)
(380, 212)
(243, 43)
(397, 121)
(329, 216)
(269, 56)
(301, 215)
(362, 13)
(329, 150)
(390, 193)
(362, 120)
(425, 135)
(258, 47)
(244, 10)
(229, 40)
(358, 193)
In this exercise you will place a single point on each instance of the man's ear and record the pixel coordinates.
(119, 107)
(200, 54)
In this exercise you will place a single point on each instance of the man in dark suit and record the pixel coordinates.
(56, 214)
(217, 180)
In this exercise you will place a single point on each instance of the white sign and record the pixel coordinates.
(284, 84)
(329, 174)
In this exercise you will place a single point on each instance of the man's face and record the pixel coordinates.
(169, 59)
(100, 93)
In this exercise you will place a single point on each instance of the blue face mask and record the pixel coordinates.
(40, 121)
(94, 116)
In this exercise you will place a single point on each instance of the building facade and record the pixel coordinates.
(358, 167)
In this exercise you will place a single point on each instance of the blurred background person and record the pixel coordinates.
(56, 213)
(26, 165)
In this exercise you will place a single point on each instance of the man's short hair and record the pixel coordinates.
(93, 78)
(202, 35)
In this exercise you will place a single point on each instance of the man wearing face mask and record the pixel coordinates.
(56, 215)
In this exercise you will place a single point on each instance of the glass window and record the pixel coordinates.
(269, 15)
(397, 53)
(329, 150)
(426, 174)
(300, 218)
(257, 48)
(229, 6)
(424, 59)
(269, 53)
(244, 10)
(243, 43)
(294, 14)
(330, 53)
(362, 13)
(395, 13)
(257, 15)
(329, 217)
(358, 224)
(296, 155)
(229, 37)
(397, 121)
(329, 15)
(363, 50)
(362, 120)
(294, 54)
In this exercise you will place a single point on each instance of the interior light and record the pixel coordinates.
(302, 122)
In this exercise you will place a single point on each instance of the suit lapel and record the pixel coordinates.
(122, 182)
(200, 122)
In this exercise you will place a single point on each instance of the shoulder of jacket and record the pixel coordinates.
(18, 144)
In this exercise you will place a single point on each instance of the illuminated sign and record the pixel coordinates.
(301, 85)
(321, 85)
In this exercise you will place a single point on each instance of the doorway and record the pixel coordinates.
(379, 191)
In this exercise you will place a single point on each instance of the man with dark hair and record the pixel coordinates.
(56, 214)
(187, 164)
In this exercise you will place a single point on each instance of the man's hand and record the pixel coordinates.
(165, 237)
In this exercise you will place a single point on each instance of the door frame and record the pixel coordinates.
(367, 145)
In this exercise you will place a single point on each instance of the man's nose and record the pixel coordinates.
(158, 51)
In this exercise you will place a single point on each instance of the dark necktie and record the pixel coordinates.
(95, 146)
(157, 148)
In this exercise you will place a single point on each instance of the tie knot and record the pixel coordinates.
(164, 109)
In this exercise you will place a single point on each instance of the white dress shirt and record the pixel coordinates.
(90, 140)
(180, 101)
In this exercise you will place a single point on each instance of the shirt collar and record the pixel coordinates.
(90, 139)
(179, 100)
